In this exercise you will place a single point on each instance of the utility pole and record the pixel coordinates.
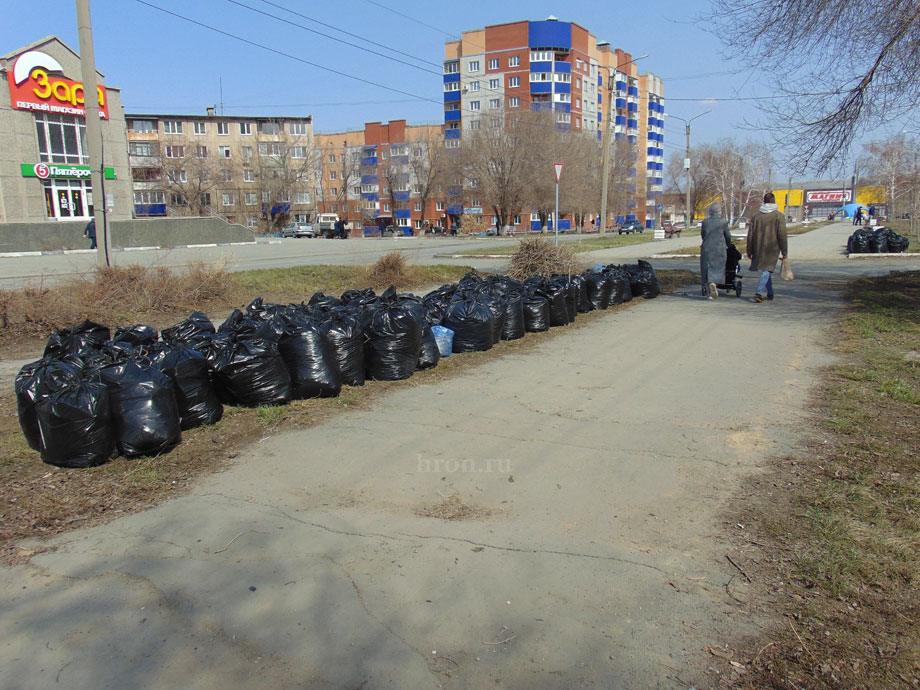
(687, 158)
(93, 130)
(605, 142)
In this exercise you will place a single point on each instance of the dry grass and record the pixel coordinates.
(389, 269)
(539, 257)
(39, 500)
(831, 534)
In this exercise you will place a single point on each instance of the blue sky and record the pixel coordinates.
(165, 64)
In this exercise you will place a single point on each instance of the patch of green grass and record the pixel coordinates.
(899, 389)
(578, 243)
(269, 415)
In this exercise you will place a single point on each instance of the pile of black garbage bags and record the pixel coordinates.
(877, 241)
(95, 395)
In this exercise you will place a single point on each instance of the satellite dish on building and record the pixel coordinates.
(551, 18)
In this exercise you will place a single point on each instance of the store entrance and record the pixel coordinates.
(68, 199)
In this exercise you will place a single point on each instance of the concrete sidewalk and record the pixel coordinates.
(547, 520)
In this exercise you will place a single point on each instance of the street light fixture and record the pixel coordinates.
(687, 158)
(605, 143)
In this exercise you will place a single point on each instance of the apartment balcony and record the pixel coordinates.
(452, 115)
(369, 162)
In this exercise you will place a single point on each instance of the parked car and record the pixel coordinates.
(298, 230)
(630, 226)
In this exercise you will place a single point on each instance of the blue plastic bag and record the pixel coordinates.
(444, 337)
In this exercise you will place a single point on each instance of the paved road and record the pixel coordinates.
(588, 478)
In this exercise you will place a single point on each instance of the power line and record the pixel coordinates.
(320, 33)
(283, 54)
(412, 19)
(281, 105)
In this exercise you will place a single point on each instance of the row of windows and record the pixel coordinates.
(226, 198)
(223, 128)
(266, 148)
(496, 103)
(563, 77)
(474, 65)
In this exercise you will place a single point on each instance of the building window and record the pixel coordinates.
(251, 221)
(368, 188)
(176, 199)
(541, 56)
(245, 128)
(332, 158)
(474, 86)
(223, 128)
(298, 152)
(334, 191)
(302, 197)
(150, 197)
(246, 153)
(298, 128)
(269, 148)
(223, 151)
(577, 82)
(493, 63)
(356, 190)
(227, 199)
(226, 176)
(579, 63)
(248, 176)
(514, 102)
(142, 126)
(474, 124)
(176, 176)
(439, 205)
(452, 86)
(452, 144)
(451, 67)
(474, 105)
(333, 175)
(495, 103)
(175, 152)
(514, 61)
(563, 77)
(494, 83)
(577, 122)
(205, 199)
(251, 198)
(562, 97)
(172, 127)
(514, 82)
(61, 139)
(563, 117)
(386, 207)
(541, 76)
(201, 151)
(200, 127)
(269, 128)
(578, 103)
(418, 205)
(418, 224)
(266, 196)
(473, 66)
(140, 148)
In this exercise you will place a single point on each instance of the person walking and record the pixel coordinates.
(857, 217)
(90, 232)
(766, 241)
(716, 238)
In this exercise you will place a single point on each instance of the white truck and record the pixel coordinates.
(325, 225)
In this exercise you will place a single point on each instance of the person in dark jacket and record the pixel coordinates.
(90, 232)
(766, 241)
(716, 238)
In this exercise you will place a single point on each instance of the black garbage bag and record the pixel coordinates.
(80, 338)
(37, 381)
(620, 284)
(269, 324)
(311, 361)
(393, 340)
(513, 328)
(897, 244)
(75, 425)
(428, 355)
(497, 306)
(139, 334)
(145, 416)
(598, 287)
(359, 297)
(584, 304)
(879, 241)
(196, 327)
(472, 322)
(642, 280)
(859, 242)
(346, 336)
(188, 368)
(572, 288)
(248, 369)
(324, 302)
(536, 314)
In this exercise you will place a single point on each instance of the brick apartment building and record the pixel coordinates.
(256, 171)
(559, 66)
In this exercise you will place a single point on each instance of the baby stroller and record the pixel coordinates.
(732, 271)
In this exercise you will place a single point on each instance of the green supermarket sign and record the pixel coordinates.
(45, 171)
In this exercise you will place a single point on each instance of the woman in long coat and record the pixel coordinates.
(716, 238)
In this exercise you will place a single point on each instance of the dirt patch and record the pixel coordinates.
(830, 534)
(452, 509)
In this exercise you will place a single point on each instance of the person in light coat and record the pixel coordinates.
(766, 241)
(716, 239)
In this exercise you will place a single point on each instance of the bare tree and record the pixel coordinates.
(735, 173)
(283, 167)
(193, 178)
(858, 59)
(893, 163)
(700, 186)
(428, 164)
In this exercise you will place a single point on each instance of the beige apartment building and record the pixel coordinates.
(255, 171)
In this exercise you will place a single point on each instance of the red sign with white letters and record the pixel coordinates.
(34, 86)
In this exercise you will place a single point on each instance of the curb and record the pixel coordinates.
(890, 255)
(472, 256)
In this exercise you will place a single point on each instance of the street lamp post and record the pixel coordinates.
(687, 159)
(605, 144)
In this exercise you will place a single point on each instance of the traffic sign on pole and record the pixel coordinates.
(558, 167)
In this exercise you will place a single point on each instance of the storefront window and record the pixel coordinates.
(68, 199)
(61, 139)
